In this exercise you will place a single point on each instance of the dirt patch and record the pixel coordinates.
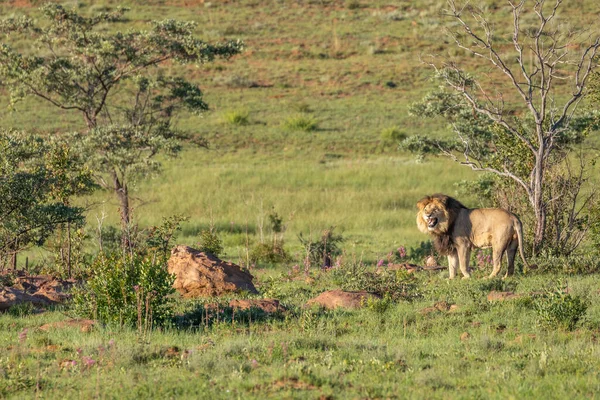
(338, 298)
(495, 295)
(201, 274)
(440, 306)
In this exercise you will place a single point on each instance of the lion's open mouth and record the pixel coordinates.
(432, 222)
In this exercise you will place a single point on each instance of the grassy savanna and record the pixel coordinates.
(381, 351)
(348, 70)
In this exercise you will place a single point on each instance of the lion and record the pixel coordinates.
(457, 229)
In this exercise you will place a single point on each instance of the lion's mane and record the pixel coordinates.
(450, 207)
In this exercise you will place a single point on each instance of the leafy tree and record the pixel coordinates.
(114, 80)
(37, 178)
(517, 120)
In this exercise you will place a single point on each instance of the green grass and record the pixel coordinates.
(305, 353)
(354, 68)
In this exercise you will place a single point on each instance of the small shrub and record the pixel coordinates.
(392, 135)
(269, 253)
(558, 309)
(352, 4)
(321, 251)
(210, 242)
(573, 264)
(22, 309)
(301, 123)
(391, 285)
(302, 108)
(379, 306)
(237, 117)
(422, 251)
(126, 290)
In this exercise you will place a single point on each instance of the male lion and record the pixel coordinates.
(456, 229)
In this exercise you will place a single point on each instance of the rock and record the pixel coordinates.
(267, 305)
(84, 325)
(495, 295)
(10, 296)
(430, 262)
(442, 306)
(54, 290)
(338, 298)
(199, 274)
(465, 336)
(36, 289)
(404, 266)
(454, 308)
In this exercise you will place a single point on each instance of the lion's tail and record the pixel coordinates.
(519, 228)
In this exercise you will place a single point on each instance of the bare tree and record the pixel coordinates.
(541, 67)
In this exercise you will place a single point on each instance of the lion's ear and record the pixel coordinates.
(423, 202)
(443, 199)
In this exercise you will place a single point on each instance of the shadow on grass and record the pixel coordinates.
(210, 314)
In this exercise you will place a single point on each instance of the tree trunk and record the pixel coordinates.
(69, 248)
(123, 195)
(539, 206)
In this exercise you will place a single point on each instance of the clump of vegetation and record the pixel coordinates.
(38, 178)
(210, 242)
(390, 284)
(268, 252)
(353, 4)
(301, 122)
(560, 309)
(319, 253)
(132, 287)
(237, 117)
(272, 251)
(392, 135)
(126, 290)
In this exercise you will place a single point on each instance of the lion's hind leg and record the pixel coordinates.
(511, 252)
(497, 253)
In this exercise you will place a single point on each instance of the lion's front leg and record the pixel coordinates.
(452, 265)
(464, 253)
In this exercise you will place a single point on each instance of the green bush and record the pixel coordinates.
(210, 242)
(269, 253)
(127, 291)
(301, 123)
(392, 285)
(559, 309)
(237, 117)
(321, 251)
(392, 135)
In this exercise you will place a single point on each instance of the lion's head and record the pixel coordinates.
(437, 214)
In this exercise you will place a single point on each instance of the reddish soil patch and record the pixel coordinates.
(495, 295)
(338, 298)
